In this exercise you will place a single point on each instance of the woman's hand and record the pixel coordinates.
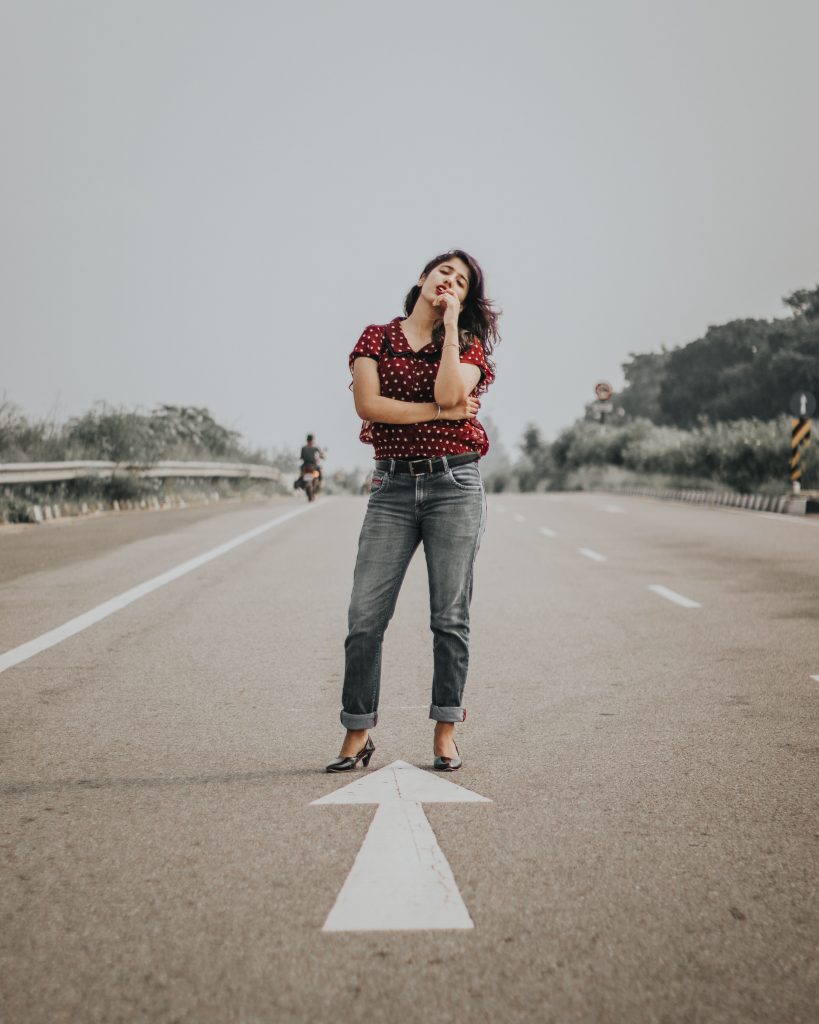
(467, 409)
(452, 307)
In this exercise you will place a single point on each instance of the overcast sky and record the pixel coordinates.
(205, 202)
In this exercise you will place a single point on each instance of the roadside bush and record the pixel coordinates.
(183, 433)
(112, 435)
(24, 441)
(751, 452)
(744, 455)
(122, 487)
(174, 433)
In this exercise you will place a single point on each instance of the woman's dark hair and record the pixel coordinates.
(478, 319)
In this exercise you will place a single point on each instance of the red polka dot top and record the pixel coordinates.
(409, 376)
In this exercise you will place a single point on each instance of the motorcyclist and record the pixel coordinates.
(311, 457)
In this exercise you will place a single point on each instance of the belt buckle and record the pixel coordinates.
(420, 462)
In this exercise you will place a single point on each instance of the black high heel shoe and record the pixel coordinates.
(346, 764)
(448, 764)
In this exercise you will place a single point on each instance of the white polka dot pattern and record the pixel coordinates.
(409, 376)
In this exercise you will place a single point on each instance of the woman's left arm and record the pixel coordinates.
(455, 380)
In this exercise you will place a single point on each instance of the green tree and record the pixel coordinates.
(708, 377)
(496, 466)
(536, 465)
(804, 303)
(743, 369)
(644, 373)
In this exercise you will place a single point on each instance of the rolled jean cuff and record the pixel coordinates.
(359, 721)
(447, 714)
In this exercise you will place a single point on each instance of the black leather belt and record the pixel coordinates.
(418, 467)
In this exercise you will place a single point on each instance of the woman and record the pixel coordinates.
(416, 383)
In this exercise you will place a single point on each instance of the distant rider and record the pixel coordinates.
(311, 456)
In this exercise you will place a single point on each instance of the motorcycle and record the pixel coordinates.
(310, 482)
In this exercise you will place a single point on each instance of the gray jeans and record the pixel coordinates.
(446, 512)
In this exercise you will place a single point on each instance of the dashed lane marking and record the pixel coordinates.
(595, 556)
(519, 518)
(55, 636)
(615, 510)
(547, 532)
(816, 678)
(672, 595)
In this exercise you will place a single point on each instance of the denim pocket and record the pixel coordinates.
(467, 477)
(379, 482)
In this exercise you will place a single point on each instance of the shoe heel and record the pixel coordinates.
(365, 761)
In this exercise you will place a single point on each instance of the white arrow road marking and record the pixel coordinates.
(672, 595)
(547, 532)
(401, 880)
(102, 611)
(595, 556)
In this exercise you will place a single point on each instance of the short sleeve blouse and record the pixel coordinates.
(409, 376)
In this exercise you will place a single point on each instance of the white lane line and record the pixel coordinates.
(615, 510)
(781, 517)
(816, 678)
(754, 514)
(547, 532)
(401, 880)
(672, 595)
(519, 518)
(595, 556)
(55, 636)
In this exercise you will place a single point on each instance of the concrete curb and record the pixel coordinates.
(38, 514)
(794, 505)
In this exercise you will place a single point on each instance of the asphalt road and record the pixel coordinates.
(649, 853)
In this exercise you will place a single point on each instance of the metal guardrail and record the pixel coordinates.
(47, 472)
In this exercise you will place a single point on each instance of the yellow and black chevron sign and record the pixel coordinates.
(800, 438)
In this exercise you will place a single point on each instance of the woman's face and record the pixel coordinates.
(451, 275)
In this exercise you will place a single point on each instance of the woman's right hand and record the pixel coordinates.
(464, 410)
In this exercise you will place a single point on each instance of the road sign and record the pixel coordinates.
(401, 880)
(603, 390)
(802, 404)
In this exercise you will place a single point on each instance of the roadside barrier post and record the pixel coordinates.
(800, 439)
(802, 406)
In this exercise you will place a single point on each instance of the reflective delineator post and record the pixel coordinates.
(800, 439)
